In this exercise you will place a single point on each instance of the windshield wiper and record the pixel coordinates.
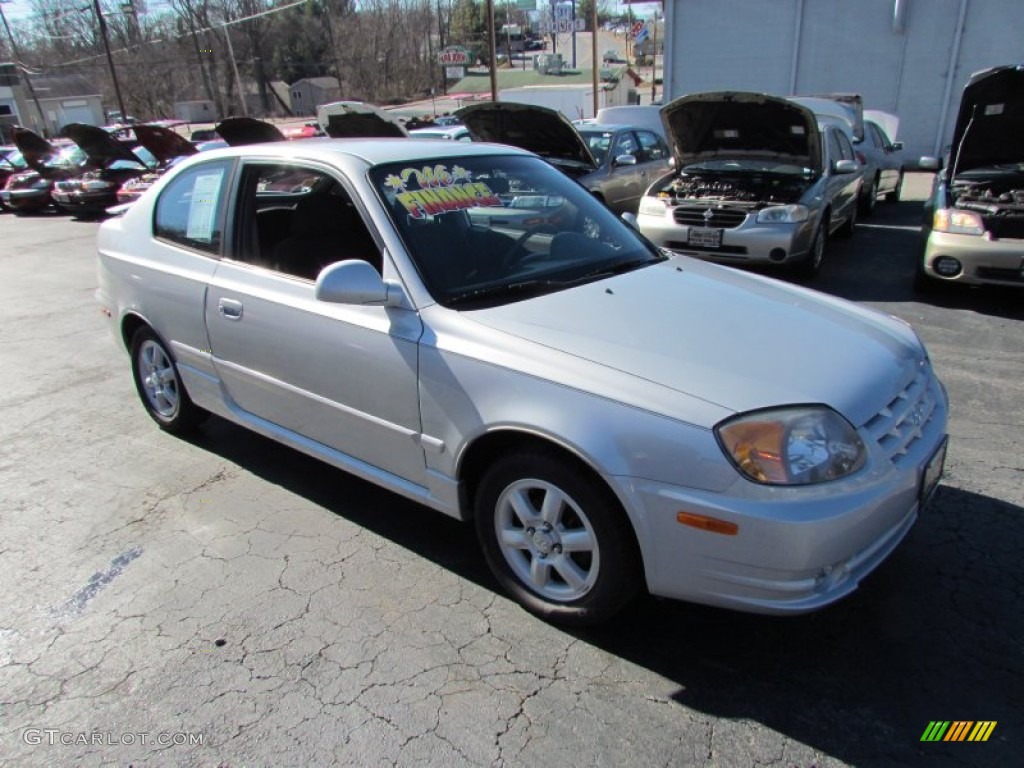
(621, 267)
(504, 290)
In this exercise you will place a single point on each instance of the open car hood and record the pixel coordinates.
(736, 124)
(990, 125)
(545, 132)
(101, 148)
(239, 131)
(358, 120)
(163, 143)
(37, 151)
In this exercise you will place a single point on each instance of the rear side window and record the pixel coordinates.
(190, 210)
(654, 148)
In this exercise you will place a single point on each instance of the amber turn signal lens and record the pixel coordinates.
(706, 523)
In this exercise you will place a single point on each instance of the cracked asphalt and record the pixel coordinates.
(229, 602)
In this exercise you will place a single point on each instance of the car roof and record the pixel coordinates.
(373, 151)
(609, 127)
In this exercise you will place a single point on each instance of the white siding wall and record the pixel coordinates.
(844, 46)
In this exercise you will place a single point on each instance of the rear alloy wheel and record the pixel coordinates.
(159, 385)
(556, 541)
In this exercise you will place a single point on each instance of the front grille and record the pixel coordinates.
(903, 421)
(1005, 226)
(996, 273)
(680, 245)
(721, 218)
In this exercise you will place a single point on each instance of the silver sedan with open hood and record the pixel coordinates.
(757, 181)
(468, 327)
(973, 231)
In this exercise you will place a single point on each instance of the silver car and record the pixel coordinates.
(468, 327)
(615, 162)
(759, 180)
(973, 230)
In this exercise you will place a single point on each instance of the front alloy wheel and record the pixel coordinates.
(556, 541)
(159, 384)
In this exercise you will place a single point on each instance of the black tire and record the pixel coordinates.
(159, 385)
(894, 196)
(810, 266)
(869, 199)
(581, 586)
(848, 226)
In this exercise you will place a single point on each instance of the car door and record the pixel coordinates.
(653, 161)
(843, 189)
(888, 162)
(342, 376)
(622, 187)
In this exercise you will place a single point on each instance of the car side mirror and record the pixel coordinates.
(355, 281)
(846, 166)
(625, 160)
(928, 163)
(896, 146)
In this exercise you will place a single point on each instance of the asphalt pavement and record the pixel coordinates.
(226, 601)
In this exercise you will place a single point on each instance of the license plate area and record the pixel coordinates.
(704, 237)
(932, 473)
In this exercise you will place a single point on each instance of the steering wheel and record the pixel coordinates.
(517, 253)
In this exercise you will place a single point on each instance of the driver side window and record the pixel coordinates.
(296, 220)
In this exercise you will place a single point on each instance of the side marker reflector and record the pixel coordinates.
(710, 524)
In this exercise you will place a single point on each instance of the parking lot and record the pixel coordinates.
(229, 602)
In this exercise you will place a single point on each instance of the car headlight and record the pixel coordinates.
(783, 214)
(792, 446)
(957, 222)
(652, 206)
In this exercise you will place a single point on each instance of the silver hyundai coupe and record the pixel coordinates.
(468, 327)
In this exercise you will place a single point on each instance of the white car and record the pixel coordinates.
(610, 417)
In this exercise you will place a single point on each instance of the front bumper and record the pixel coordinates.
(85, 202)
(749, 243)
(983, 260)
(28, 199)
(797, 549)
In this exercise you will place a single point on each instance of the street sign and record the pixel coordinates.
(454, 56)
(642, 34)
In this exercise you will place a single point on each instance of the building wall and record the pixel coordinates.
(788, 47)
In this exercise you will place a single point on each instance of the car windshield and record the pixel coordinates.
(491, 230)
(68, 157)
(12, 157)
(598, 142)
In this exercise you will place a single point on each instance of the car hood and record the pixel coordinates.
(707, 126)
(545, 132)
(164, 143)
(990, 125)
(36, 150)
(736, 340)
(101, 148)
(240, 131)
(358, 120)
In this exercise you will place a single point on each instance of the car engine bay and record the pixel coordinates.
(753, 191)
(1000, 201)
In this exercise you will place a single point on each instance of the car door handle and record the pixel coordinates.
(230, 309)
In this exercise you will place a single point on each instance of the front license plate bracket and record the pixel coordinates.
(932, 473)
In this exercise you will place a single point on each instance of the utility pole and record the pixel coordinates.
(492, 50)
(24, 73)
(110, 58)
(654, 61)
(234, 66)
(593, 53)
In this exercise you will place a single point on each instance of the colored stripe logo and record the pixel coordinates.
(958, 730)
